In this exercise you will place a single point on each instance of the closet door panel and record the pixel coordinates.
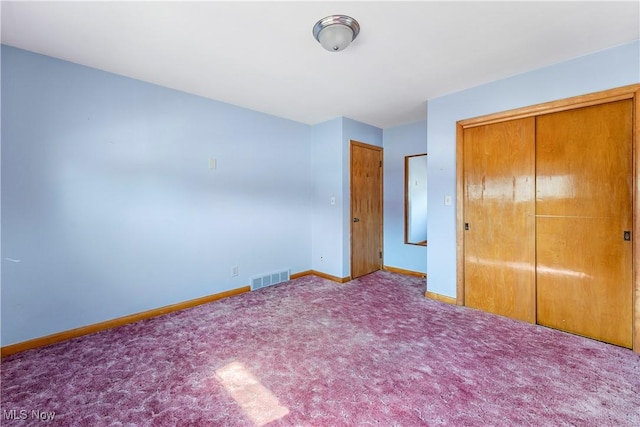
(584, 160)
(580, 284)
(583, 208)
(499, 209)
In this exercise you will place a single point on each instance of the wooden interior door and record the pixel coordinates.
(583, 212)
(366, 209)
(499, 216)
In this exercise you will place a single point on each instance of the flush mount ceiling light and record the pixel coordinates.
(335, 32)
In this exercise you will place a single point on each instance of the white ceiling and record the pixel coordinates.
(262, 55)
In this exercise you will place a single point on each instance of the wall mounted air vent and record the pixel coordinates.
(270, 279)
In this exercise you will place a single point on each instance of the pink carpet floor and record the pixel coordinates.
(311, 352)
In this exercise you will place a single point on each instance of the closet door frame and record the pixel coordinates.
(626, 92)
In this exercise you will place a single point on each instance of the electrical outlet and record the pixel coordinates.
(234, 271)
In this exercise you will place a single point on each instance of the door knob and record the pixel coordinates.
(356, 219)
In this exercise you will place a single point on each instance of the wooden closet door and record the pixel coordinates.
(499, 244)
(583, 209)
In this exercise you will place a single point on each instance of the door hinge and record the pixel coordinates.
(380, 163)
(380, 254)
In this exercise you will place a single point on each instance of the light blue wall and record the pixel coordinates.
(331, 224)
(109, 204)
(607, 69)
(399, 142)
(110, 208)
(327, 222)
